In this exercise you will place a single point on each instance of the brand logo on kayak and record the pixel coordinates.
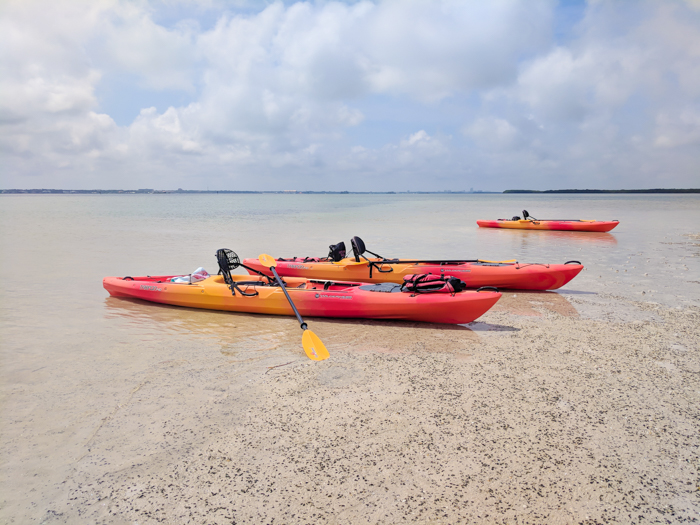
(451, 270)
(150, 287)
(299, 266)
(324, 296)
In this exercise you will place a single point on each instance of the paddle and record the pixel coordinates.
(313, 346)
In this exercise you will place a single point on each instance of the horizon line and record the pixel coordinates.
(34, 191)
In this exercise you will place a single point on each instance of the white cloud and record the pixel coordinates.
(493, 132)
(131, 42)
(421, 144)
(678, 129)
(279, 91)
(433, 49)
(611, 105)
(152, 132)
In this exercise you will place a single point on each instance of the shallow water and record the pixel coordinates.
(70, 353)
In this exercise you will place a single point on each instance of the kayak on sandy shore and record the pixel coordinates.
(474, 273)
(530, 223)
(431, 300)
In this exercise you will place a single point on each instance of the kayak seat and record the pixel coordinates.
(336, 252)
(358, 249)
(382, 287)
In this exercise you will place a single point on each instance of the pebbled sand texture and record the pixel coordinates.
(550, 409)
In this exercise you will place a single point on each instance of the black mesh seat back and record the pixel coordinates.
(337, 252)
(228, 260)
(358, 247)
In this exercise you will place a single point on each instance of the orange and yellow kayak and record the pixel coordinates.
(475, 274)
(548, 224)
(313, 298)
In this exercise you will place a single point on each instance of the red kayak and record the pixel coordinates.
(428, 298)
(530, 223)
(475, 273)
(312, 298)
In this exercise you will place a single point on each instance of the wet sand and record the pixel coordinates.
(552, 408)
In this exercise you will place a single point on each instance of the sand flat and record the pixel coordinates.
(553, 408)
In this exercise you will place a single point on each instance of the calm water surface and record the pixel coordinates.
(68, 350)
(57, 248)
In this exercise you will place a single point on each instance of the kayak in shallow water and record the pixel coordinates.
(561, 225)
(474, 273)
(430, 302)
(530, 223)
(312, 298)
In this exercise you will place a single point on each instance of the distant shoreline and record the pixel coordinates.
(180, 191)
(655, 190)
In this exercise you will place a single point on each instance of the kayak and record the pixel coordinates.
(312, 298)
(510, 275)
(474, 273)
(551, 224)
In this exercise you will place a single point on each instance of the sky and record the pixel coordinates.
(395, 95)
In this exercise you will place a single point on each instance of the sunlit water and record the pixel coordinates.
(56, 249)
(69, 350)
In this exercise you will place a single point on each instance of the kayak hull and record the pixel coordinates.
(501, 275)
(313, 299)
(573, 226)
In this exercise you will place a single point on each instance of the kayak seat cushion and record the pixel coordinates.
(382, 287)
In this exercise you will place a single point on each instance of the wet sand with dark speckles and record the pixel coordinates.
(549, 409)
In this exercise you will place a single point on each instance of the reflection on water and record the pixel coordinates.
(534, 304)
(237, 334)
(559, 237)
(243, 334)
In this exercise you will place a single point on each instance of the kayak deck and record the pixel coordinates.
(548, 224)
(510, 275)
(313, 298)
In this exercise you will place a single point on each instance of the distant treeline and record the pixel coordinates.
(655, 190)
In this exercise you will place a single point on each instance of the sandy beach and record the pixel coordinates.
(552, 408)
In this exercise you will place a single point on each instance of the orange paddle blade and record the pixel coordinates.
(267, 260)
(313, 346)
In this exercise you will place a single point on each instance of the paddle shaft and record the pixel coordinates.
(291, 303)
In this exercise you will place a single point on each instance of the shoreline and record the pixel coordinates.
(549, 408)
